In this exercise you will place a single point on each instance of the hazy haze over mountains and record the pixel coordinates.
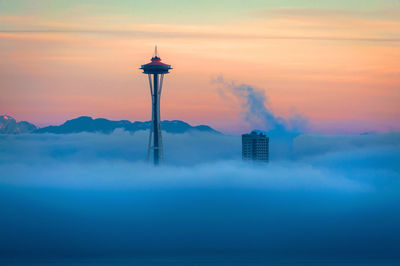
(8, 125)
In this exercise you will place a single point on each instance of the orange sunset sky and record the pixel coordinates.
(335, 62)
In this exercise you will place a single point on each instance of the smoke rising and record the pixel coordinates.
(256, 110)
(257, 113)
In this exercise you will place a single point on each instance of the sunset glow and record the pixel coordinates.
(336, 62)
(211, 132)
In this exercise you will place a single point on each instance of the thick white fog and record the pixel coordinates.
(90, 195)
(195, 159)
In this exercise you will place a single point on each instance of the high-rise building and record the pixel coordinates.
(255, 147)
(155, 71)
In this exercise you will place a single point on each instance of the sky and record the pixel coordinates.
(333, 62)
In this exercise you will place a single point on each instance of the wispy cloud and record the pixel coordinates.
(388, 14)
(274, 24)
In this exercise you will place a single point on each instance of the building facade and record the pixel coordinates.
(255, 147)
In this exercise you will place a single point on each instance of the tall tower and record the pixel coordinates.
(155, 71)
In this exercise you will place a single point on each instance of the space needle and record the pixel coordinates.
(155, 71)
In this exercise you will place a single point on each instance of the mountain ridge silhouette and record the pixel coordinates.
(106, 126)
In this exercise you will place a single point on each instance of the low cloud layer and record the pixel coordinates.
(93, 195)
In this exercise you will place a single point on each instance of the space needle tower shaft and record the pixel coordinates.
(155, 71)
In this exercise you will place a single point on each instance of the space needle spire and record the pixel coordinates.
(155, 71)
